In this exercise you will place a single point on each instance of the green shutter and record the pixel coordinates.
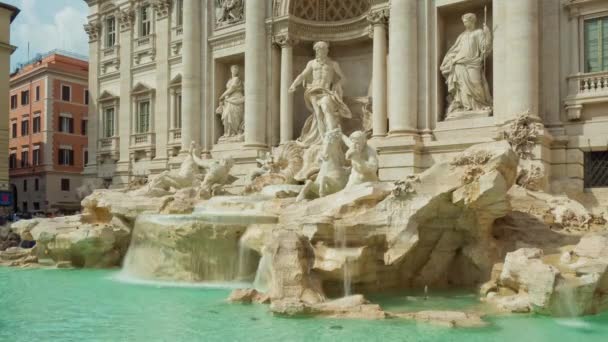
(592, 63)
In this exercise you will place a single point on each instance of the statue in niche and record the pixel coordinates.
(363, 158)
(230, 12)
(322, 80)
(464, 69)
(232, 107)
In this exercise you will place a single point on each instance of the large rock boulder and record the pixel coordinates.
(572, 283)
(71, 239)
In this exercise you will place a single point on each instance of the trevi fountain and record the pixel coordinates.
(311, 244)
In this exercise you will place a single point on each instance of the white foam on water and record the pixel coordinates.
(575, 323)
(121, 277)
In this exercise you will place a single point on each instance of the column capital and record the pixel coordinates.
(285, 40)
(162, 8)
(379, 17)
(126, 19)
(93, 29)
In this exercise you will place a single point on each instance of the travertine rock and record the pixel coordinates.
(450, 319)
(71, 239)
(248, 296)
(293, 280)
(554, 284)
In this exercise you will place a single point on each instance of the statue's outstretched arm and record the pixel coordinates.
(301, 77)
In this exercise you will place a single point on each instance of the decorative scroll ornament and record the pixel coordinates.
(126, 19)
(92, 29)
(162, 8)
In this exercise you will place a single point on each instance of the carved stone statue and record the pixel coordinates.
(187, 175)
(230, 12)
(332, 176)
(278, 167)
(217, 176)
(364, 159)
(464, 69)
(232, 107)
(322, 80)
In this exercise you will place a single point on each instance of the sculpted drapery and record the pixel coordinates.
(463, 68)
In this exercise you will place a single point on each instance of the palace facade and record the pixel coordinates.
(426, 78)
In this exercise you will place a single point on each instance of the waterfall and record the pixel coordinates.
(340, 241)
(263, 274)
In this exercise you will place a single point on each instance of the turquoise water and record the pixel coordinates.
(83, 305)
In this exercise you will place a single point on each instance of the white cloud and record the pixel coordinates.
(47, 31)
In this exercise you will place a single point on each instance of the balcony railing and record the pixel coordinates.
(175, 135)
(586, 85)
(108, 144)
(142, 139)
(585, 89)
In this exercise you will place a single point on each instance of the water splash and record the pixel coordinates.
(125, 278)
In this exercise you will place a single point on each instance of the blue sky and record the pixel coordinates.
(48, 25)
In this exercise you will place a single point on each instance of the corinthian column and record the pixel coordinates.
(378, 21)
(191, 76)
(93, 130)
(255, 74)
(403, 66)
(286, 116)
(522, 77)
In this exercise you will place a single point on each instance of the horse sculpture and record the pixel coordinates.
(332, 176)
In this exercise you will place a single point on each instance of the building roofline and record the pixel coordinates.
(15, 11)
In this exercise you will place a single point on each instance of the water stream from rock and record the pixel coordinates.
(263, 274)
(340, 242)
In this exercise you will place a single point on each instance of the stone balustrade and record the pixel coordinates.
(142, 140)
(585, 89)
(108, 144)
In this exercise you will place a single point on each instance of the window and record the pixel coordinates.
(66, 93)
(596, 44)
(13, 101)
(36, 206)
(146, 21)
(36, 124)
(65, 184)
(66, 156)
(86, 97)
(25, 185)
(37, 93)
(178, 112)
(36, 184)
(25, 127)
(36, 157)
(66, 124)
(83, 127)
(86, 157)
(596, 169)
(25, 210)
(110, 32)
(25, 97)
(108, 122)
(179, 13)
(25, 158)
(143, 117)
(14, 129)
(12, 161)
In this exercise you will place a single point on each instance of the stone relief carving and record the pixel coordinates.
(332, 176)
(232, 107)
(230, 12)
(363, 158)
(464, 70)
(322, 80)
